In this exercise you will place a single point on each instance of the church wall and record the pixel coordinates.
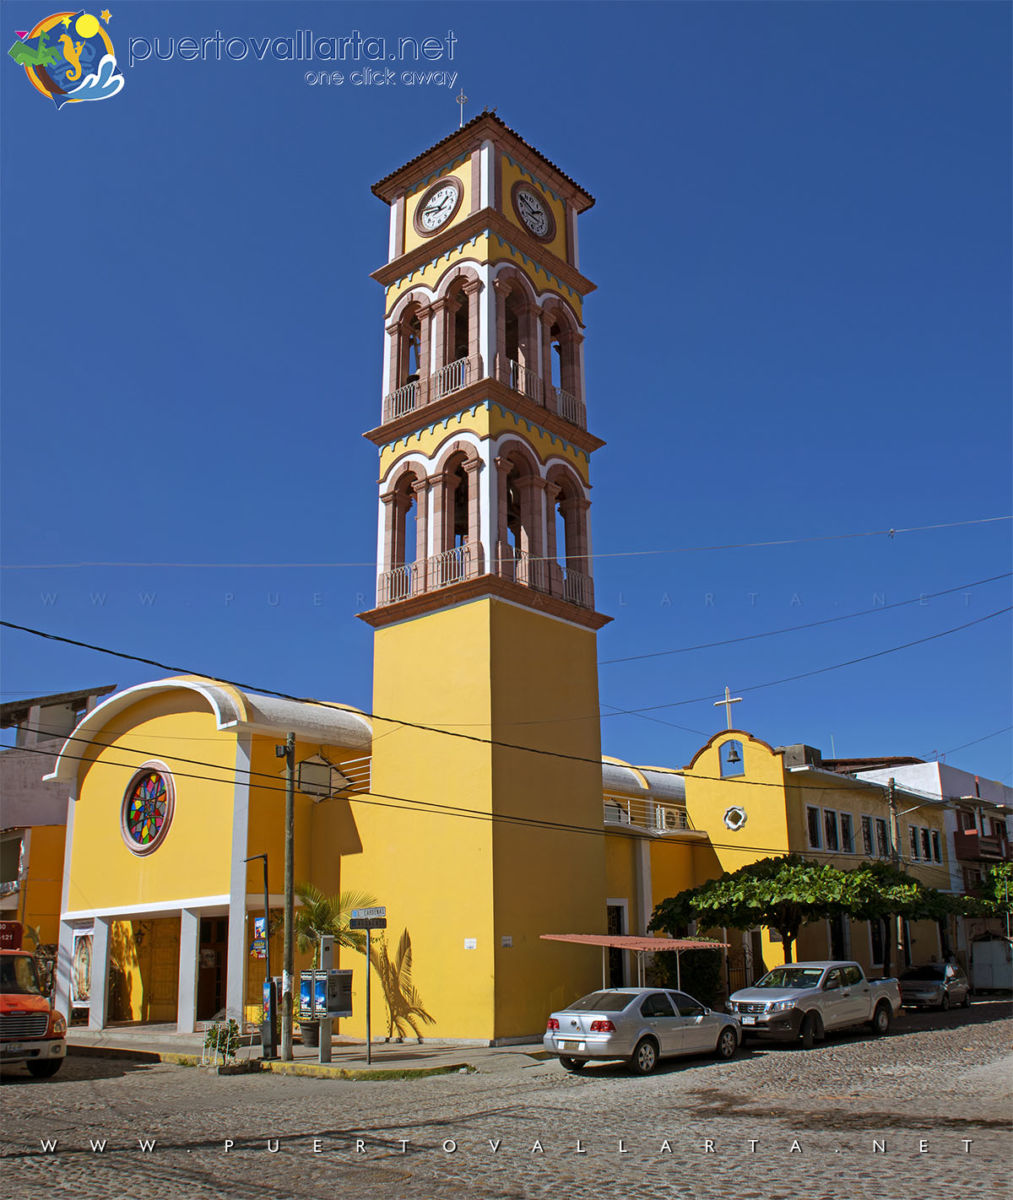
(460, 168)
(193, 860)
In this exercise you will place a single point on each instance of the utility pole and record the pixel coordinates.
(891, 799)
(268, 1044)
(288, 950)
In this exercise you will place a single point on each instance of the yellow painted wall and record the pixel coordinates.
(143, 970)
(44, 885)
(193, 860)
(460, 169)
(447, 877)
(511, 173)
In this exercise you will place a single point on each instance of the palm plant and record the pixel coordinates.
(321, 915)
(404, 1005)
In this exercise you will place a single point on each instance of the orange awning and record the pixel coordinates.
(627, 942)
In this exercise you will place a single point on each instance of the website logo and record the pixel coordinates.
(69, 57)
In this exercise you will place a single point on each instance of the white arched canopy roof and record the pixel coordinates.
(234, 711)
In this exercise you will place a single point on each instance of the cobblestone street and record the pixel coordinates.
(921, 1112)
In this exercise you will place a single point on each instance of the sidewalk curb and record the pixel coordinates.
(256, 1065)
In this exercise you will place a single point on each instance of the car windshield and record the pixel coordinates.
(933, 971)
(790, 977)
(17, 974)
(604, 1002)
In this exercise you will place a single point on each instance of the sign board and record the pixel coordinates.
(11, 933)
(368, 923)
(259, 927)
(325, 995)
(258, 948)
(364, 914)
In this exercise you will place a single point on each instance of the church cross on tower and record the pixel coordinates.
(727, 702)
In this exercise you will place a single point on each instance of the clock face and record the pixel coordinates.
(534, 212)
(437, 206)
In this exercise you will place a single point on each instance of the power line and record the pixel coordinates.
(402, 803)
(458, 733)
(795, 541)
(751, 637)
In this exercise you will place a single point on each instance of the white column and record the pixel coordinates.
(235, 980)
(99, 973)
(63, 957)
(572, 218)
(644, 885)
(488, 496)
(189, 953)
(487, 167)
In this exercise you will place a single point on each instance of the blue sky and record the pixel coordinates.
(801, 245)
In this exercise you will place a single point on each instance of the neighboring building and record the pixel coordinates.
(755, 801)
(33, 813)
(977, 826)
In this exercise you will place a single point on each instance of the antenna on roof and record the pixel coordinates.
(462, 100)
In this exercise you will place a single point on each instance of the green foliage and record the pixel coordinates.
(223, 1039)
(699, 973)
(320, 915)
(993, 898)
(404, 1004)
(787, 892)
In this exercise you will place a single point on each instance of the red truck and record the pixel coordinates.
(31, 1030)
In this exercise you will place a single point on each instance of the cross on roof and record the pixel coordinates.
(462, 100)
(728, 701)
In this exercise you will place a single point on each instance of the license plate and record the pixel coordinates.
(12, 1048)
(748, 1020)
(570, 1045)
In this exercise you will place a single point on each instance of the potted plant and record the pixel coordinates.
(320, 915)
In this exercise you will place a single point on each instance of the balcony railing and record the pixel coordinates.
(452, 377)
(522, 379)
(397, 584)
(973, 846)
(645, 815)
(449, 567)
(578, 588)
(570, 408)
(404, 400)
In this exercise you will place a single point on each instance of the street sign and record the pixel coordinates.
(369, 918)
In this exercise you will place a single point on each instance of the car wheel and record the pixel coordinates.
(45, 1068)
(728, 1043)
(572, 1064)
(645, 1056)
(967, 1000)
(944, 1003)
(811, 1031)
(880, 1022)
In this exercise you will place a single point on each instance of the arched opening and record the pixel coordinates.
(521, 521)
(517, 343)
(562, 368)
(456, 340)
(568, 539)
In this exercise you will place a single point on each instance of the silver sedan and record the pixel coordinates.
(640, 1025)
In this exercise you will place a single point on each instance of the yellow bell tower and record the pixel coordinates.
(485, 672)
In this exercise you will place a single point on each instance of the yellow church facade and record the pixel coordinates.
(473, 802)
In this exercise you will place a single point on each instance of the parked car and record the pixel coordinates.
(640, 1025)
(941, 985)
(801, 1001)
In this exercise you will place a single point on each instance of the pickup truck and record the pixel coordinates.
(31, 1030)
(802, 1001)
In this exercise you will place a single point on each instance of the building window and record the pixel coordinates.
(847, 833)
(882, 839)
(877, 942)
(926, 845)
(731, 759)
(937, 848)
(10, 863)
(913, 836)
(830, 826)
(813, 819)
(867, 836)
(146, 812)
